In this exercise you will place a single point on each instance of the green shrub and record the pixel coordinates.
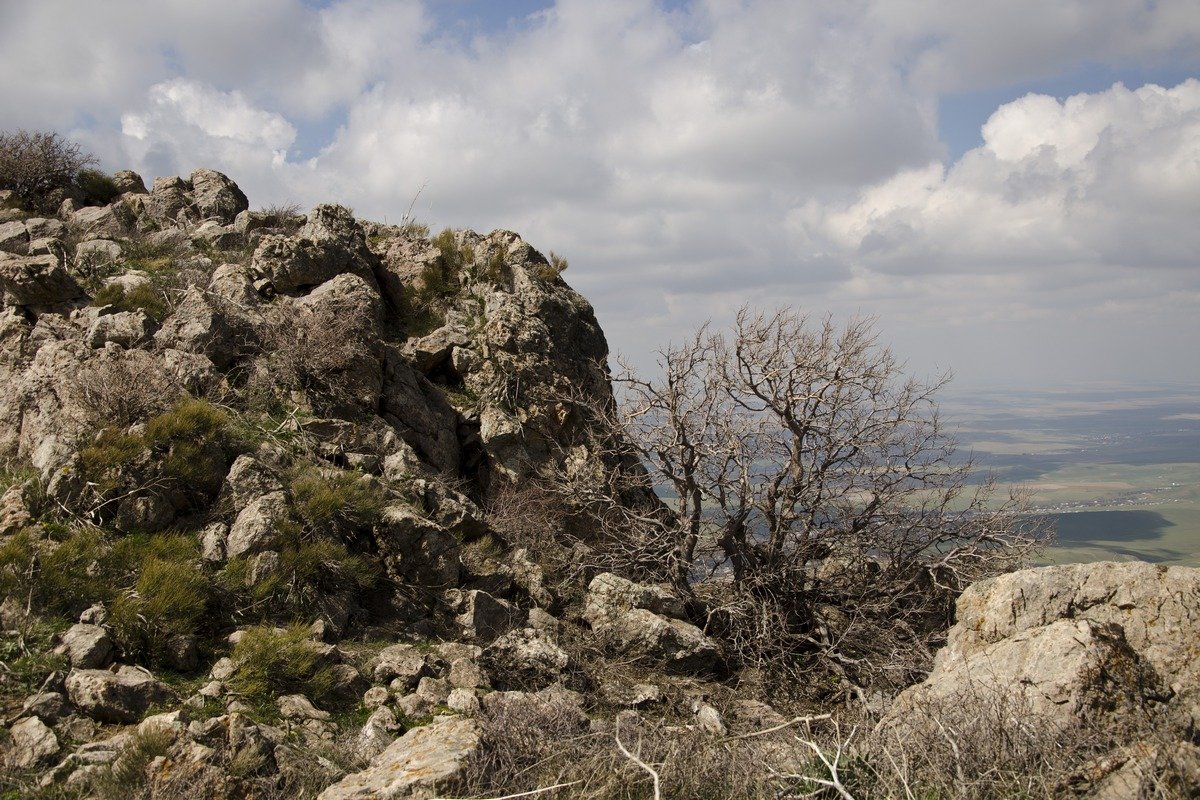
(166, 593)
(143, 297)
(105, 463)
(310, 571)
(336, 501)
(96, 187)
(271, 663)
(74, 574)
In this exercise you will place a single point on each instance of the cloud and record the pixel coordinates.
(1106, 178)
(686, 157)
(186, 124)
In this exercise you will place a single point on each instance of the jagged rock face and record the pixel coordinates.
(1072, 643)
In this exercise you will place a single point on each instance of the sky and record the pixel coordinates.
(1011, 188)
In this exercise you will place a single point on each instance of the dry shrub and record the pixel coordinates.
(542, 742)
(988, 743)
(324, 353)
(121, 390)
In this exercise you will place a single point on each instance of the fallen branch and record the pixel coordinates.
(530, 793)
(638, 761)
(779, 727)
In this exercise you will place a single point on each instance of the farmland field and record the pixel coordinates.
(1116, 469)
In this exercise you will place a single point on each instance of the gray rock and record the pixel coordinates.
(262, 566)
(375, 697)
(609, 596)
(416, 550)
(214, 234)
(113, 221)
(212, 542)
(98, 252)
(14, 238)
(379, 731)
(127, 329)
(254, 529)
(524, 659)
(249, 478)
(128, 181)
(1067, 643)
(420, 763)
(32, 744)
(197, 326)
(403, 663)
(87, 646)
(39, 281)
(297, 706)
(46, 706)
(483, 617)
(672, 644)
(1157, 608)
(122, 696)
(216, 197)
(463, 701)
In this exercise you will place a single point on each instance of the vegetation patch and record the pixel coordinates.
(273, 662)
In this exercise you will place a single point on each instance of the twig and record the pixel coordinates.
(639, 762)
(781, 726)
(530, 793)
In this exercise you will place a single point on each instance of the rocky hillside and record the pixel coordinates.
(274, 523)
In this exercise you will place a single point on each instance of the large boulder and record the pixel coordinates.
(37, 281)
(420, 764)
(645, 622)
(331, 243)
(216, 197)
(1090, 645)
(1157, 609)
(416, 550)
(122, 696)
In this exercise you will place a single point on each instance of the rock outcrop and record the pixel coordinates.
(1078, 647)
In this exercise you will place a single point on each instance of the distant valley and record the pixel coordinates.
(1115, 468)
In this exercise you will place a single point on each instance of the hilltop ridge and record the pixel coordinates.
(278, 520)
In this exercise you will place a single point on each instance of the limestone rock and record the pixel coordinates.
(33, 744)
(215, 196)
(127, 329)
(401, 662)
(87, 646)
(254, 529)
(1157, 608)
(417, 550)
(102, 222)
(14, 238)
(196, 326)
(249, 478)
(418, 764)
(38, 281)
(297, 706)
(128, 181)
(483, 617)
(122, 696)
(672, 644)
(609, 596)
(526, 659)
(379, 731)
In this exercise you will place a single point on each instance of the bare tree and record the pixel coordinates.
(36, 163)
(811, 500)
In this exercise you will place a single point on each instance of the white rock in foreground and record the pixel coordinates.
(419, 764)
